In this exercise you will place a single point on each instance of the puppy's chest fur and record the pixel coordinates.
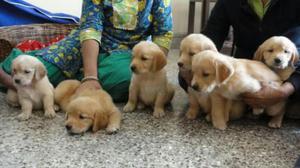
(150, 87)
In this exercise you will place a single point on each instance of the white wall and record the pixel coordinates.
(180, 16)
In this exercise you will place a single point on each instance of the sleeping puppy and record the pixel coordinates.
(149, 85)
(228, 77)
(189, 46)
(34, 91)
(280, 54)
(88, 109)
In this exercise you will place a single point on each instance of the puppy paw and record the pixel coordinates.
(220, 126)
(191, 115)
(50, 114)
(208, 118)
(112, 129)
(159, 113)
(274, 124)
(128, 107)
(258, 111)
(23, 116)
(56, 107)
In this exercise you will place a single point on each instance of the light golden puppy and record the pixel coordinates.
(149, 85)
(189, 46)
(280, 54)
(34, 91)
(228, 77)
(88, 109)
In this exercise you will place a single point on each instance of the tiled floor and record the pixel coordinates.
(147, 142)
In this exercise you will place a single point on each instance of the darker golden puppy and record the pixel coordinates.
(88, 109)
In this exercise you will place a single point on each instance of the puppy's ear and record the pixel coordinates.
(258, 55)
(295, 56)
(40, 71)
(211, 47)
(100, 120)
(223, 71)
(159, 60)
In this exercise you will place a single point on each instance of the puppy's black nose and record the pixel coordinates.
(133, 68)
(68, 127)
(277, 60)
(17, 81)
(195, 86)
(180, 64)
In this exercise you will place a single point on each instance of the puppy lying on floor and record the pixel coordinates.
(34, 91)
(189, 46)
(149, 85)
(88, 109)
(228, 77)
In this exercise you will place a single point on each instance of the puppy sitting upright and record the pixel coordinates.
(34, 91)
(149, 85)
(189, 46)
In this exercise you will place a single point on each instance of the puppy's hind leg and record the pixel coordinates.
(132, 99)
(114, 121)
(277, 112)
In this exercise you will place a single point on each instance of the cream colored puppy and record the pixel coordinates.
(34, 91)
(149, 85)
(280, 54)
(88, 109)
(189, 46)
(228, 77)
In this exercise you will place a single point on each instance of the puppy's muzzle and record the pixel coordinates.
(133, 68)
(180, 64)
(195, 86)
(277, 61)
(17, 81)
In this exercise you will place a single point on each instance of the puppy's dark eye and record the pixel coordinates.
(191, 54)
(205, 74)
(144, 58)
(81, 116)
(286, 51)
(270, 50)
(27, 71)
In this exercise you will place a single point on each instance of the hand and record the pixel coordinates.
(90, 84)
(186, 75)
(268, 95)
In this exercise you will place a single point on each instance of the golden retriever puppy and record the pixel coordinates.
(149, 85)
(280, 54)
(88, 109)
(228, 77)
(34, 91)
(189, 46)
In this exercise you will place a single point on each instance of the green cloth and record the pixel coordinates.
(259, 8)
(113, 71)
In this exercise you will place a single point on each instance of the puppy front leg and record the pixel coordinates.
(26, 109)
(217, 112)
(12, 98)
(48, 102)
(114, 122)
(159, 105)
(193, 107)
(277, 112)
(132, 99)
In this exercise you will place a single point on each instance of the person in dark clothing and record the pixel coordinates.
(254, 21)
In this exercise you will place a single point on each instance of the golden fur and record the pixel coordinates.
(88, 109)
(280, 54)
(189, 46)
(149, 85)
(34, 91)
(227, 77)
